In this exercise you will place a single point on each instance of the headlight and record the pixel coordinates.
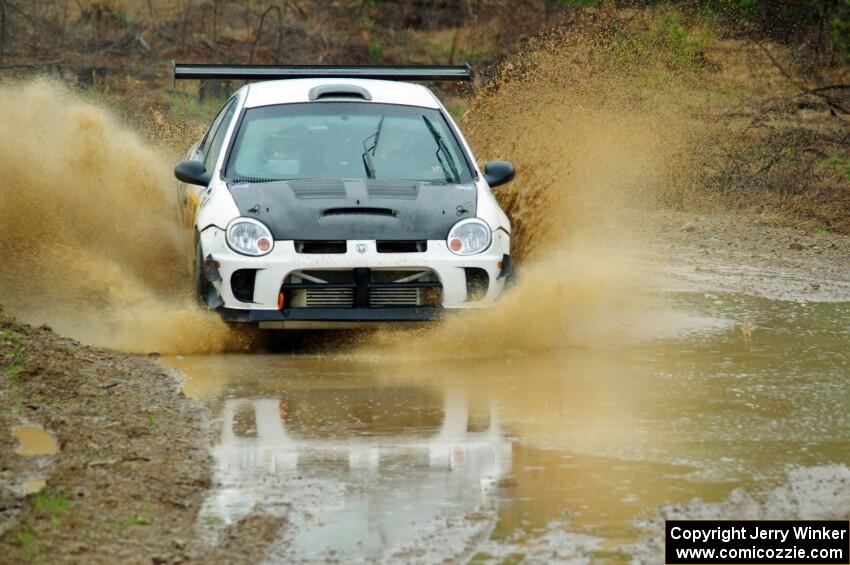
(468, 237)
(249, 237)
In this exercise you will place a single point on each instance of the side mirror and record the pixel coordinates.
(498, 172)
(192, 172)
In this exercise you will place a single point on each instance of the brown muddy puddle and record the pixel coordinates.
(550, 458)
(32, 486)
(34, 441)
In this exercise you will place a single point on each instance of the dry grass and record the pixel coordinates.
(775, 145)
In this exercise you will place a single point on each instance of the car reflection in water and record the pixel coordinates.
(352, 478)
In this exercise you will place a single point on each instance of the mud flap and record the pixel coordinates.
(507, 271)
(211, 274)
(213, 298)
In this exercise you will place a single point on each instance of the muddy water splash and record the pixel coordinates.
(591, 143)
(89, 241)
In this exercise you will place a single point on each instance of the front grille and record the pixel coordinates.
(362, 288)
(395, 297)
(404, 246)
(328, 297)
(320, 246)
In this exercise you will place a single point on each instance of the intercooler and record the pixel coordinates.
(395, 297)
(369, 288)
(323, 298)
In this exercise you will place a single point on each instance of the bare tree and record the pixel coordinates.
(187, 14)
(3, 17)
(259, 33)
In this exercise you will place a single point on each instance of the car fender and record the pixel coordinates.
(489, 209)
(216, 207)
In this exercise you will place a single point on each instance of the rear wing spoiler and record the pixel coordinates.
(183, 71)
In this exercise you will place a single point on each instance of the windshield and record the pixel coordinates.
(353, 140)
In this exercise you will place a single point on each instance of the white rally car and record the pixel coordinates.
(329, 198)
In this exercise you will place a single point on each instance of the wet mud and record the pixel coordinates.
(33, 440)
(730, 253)
(101, 458)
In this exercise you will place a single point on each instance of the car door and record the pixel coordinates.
(206, 150)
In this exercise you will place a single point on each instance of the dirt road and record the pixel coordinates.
(741, 253)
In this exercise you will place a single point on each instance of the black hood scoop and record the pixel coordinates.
(338, 209)
(359, 211)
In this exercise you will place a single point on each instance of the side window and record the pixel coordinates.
(212, 146)
(213, 126)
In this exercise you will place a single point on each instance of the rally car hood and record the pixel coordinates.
(337, 209)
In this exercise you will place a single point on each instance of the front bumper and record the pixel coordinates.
(330, 318)
(272, 271)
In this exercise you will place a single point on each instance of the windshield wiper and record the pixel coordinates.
(441, 147)
(367, 159)
(415, 179)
